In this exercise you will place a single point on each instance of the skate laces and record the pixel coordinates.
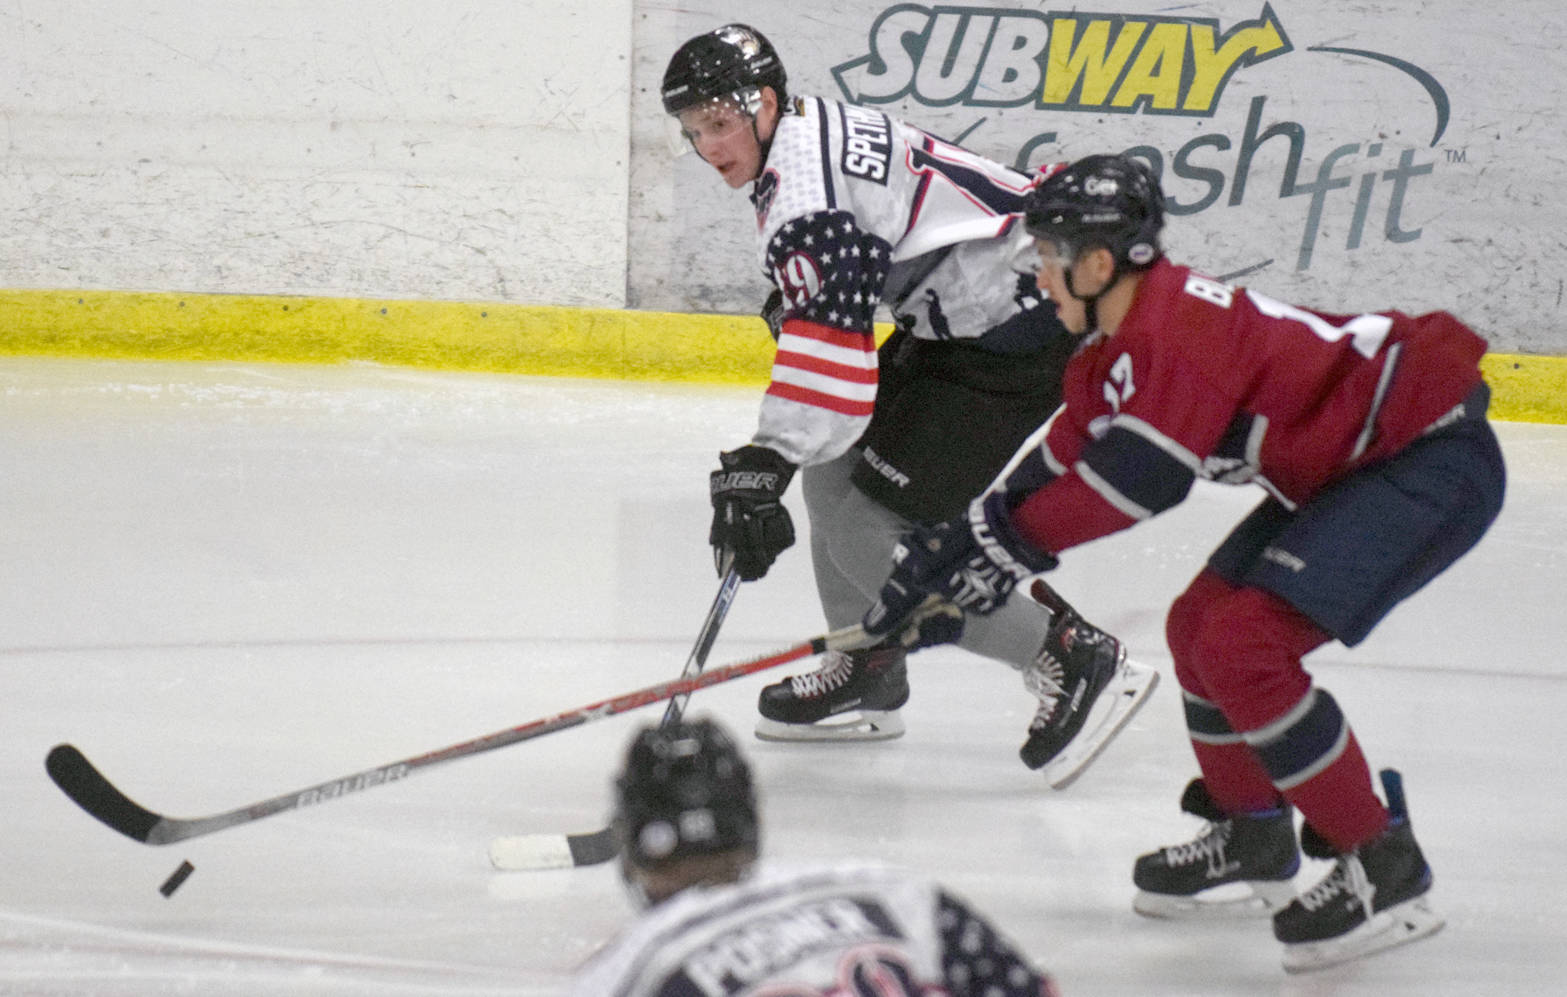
(837, 668)
(1209, 847)
(1045, 679)
(1348, 877)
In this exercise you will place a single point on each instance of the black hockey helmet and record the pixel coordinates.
(685, 790)
(733, 59)
(1109, 201)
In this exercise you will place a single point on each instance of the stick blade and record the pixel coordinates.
(593, 849)
(80, 780)
(535, 852)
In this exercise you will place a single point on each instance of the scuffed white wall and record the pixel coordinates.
(471, 149)
(1356, 156)
(1427, 146)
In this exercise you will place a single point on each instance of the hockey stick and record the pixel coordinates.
(516, 852)
(705, 637)
(88, 789)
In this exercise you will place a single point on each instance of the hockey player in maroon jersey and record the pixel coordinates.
(718, 921)
(1368, 432)
(852, 209)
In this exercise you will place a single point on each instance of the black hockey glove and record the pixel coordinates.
(973, 564)
(749, 518)
(774, 313)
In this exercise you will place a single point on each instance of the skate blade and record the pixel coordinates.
(1230, 902)
(869, 725)
(1112, 711)
(1407, 922)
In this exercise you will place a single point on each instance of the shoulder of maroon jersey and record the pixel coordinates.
(1167, 277)
(1167, 298)
(1167, 321)
(1187, 333)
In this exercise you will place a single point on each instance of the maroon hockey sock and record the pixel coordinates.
(1339, 803)
(1235, 779)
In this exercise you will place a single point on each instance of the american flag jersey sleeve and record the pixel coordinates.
(854, 210)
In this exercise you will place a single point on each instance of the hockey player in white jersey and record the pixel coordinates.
(855, 209)
(719, 924)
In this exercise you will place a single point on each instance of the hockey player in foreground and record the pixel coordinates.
(1368, 433)
(717, 922)
(854, 209)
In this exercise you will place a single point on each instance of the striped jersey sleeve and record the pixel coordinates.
(823, 384)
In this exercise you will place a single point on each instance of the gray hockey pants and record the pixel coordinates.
(852, 538)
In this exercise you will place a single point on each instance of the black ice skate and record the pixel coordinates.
(1239, 866)
(1374, 898)
(1087, 691)
(853, 696)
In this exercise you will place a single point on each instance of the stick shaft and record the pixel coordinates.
(90, 790)
(550, 850)
(704, 638)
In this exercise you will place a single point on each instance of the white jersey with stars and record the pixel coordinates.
(811, 932)
(856, 209)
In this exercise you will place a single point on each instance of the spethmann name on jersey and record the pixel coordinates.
(867, 144)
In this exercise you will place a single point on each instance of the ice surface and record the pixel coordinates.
(225, 582)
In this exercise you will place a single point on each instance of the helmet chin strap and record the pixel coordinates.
(766, 145)
(753, 109)
(1091, 301)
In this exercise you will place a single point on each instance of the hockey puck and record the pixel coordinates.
(173, 882)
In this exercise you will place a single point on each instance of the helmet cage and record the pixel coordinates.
(744, 104)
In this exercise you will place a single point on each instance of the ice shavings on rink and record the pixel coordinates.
(225, 581)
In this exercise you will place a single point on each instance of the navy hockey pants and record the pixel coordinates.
(1347, 557)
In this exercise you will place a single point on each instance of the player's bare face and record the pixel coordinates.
(1051, 279)
(724, 136)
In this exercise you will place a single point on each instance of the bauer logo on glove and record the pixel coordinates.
(972, 564)
(749, 518)
(735, 481)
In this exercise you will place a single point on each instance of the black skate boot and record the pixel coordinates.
(1081, 673)
(853, 696)
(1239, 866)
(1374, 898)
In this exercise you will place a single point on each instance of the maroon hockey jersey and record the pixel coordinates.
(1206, 380)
